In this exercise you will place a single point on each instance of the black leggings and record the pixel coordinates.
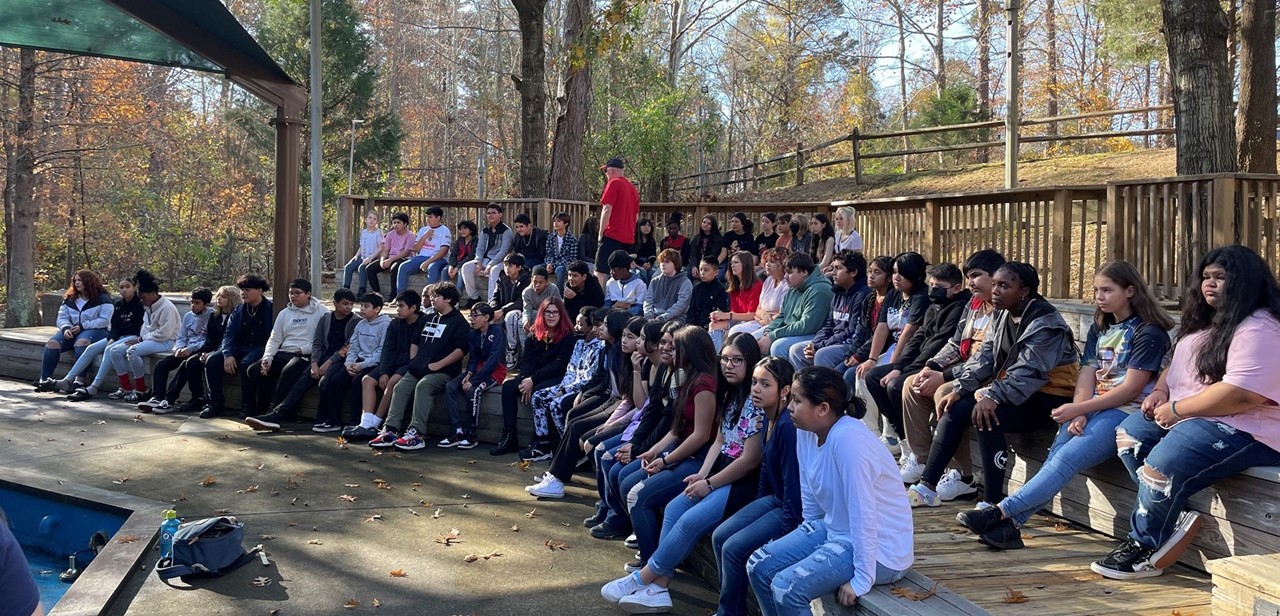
(337, 394)
(511, 399)
(888, 399)
(375, 268)
(954, 425)
(580, 420)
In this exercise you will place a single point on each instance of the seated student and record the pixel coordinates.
(401, 337)
(83, 319)
(776, 509)
(610, 384)
(625, 290)
(371, 247)
(160, 325)
(519, 322)
(1027, 366)
(674, 239)
(646, 246)
(901, 316)
(364, 352)
(491, 252)
(667, 298)
(191, 370)
(1124, 353)
(561, 247)
(726, 481)
(1212, 414)
(437, 358)
(773, 289)
(397, 245)
(708, 296)
(936, 376)
(243, 343)
(431, 246)
(126, 322)
(486, 344)
(461, 251)
(737, 238)
(581, 289)
(508, 300)
(884, 383)
(767, 238)
(542, 363)
(830, 345)
(328, 349)
(707, 242)
(286, 357)
(785, 235)
(804, 309)
(547, 409)
(682, 450)
(744, 296)
(857, 530)
(190, 339)
(529, 241)
(588, 243)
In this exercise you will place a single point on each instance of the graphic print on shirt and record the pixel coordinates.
(433, 331)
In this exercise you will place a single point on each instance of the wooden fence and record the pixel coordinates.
(1162, 226)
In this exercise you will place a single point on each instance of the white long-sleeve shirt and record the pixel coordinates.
(852, 484)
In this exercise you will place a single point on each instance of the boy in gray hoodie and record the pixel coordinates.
(364, 352)
(288, 354)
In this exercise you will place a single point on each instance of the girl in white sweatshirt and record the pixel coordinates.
(160, 325)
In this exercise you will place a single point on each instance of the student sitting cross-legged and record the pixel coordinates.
(1212, 414)
(857, 529)
(397, 350)
(486, 346)
(364, 352)
(1125, 351)
(191, 336)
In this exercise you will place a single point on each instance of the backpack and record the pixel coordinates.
(206, 548)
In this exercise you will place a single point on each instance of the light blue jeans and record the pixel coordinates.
(684, 522)
(438, 271)
(409, 268)
(136, 356)
(734, 540)
(829, 356)
(107, 362)
(787, 573)
(355, 266)
(782, 346)
(87, 357)
(1068, 456)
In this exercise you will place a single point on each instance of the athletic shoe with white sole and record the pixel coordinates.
(385, 439)
(614, 591)
(893, 443)
(920, 496)
(952, 486)
(911, 469)
(411, 441)
(1129, 561)
(163, 407)
(652, 599)
(1183, 532)
(549, 488)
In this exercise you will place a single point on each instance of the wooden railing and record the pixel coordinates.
(1067, 232)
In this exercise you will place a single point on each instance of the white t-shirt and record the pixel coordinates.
(852, 241)
(440, 237)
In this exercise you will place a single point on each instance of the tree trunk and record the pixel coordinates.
(984, 73)
(1256, 124)
(575, 109)
(23, 308)
(902, 82)
(940, 50)
(1051, 51)
(533, 97)
(1196, 31)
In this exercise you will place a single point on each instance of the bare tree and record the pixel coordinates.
(1256, 123)
(1197, 34)
(531, 83)
(575, 107)
(21, 211)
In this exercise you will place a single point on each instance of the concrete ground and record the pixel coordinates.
(336, 521)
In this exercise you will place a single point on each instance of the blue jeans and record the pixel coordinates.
(787, 573)
(684, 522)
(561, 272)
(603, 463)
(1068, 456)
(438, 271)
(410, 267)
(118, 347)
(1169, 466)
(621, 478)
(830, 356)
(782, 346)
(86, 358)
(134, 357)
(355, 266)
(78, 345)
(734, 541)
(652, 494)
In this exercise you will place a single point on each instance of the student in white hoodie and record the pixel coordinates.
(160, 325)
(288, 354)
(191, 337)
(364, 353)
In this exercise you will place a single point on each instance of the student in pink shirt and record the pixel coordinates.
(396, 247)
(1212, 414)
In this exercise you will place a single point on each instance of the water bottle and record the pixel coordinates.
(167, 529)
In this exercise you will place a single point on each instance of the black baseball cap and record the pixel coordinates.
(613, 162)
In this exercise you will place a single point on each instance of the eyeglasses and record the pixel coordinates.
(551, 313)
(732, 361)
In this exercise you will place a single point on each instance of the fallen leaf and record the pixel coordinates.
(291, 523)
(315, 542)
(915, 595)
(417, 484)
(290, 484)
(351, 604)
(243, 449)
(470, 558)
(376, 453)
(556, 545)
(375, 603)
(261, 466)
(1014, 596)
(371, 518)
(524, 465)
(385, 486)
(471, 461)
(208, 481)
(180, 499)
(450, 538)
(224, 437)
(248, 490)
(437, 514)
(342, 443)
(399, 573)
(273, 613)
(347, 497)
(424, 503)
(414, 512)
(1177, 611)
(466, 496)
(266, 537)
(493, 554)
(222, 511)
(262, 581)
(120, 481)
(515, 528)
(352, 485)
(100, 422)
(1060, 526)
(137, 418)
(50, 440)
(566, 524)
(532, 514)
(127, 538)
(379, 482)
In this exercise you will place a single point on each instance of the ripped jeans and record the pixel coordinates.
(1169, 466)
(787, 573)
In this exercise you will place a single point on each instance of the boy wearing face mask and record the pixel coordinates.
(947, 300)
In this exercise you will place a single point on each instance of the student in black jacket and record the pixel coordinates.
(542, 363)
(581, 289)
(708, 295)
(394, 361)
(242, 345)
(225, 301)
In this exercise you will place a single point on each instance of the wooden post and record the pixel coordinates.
(343, 248)
(1013, 85)
(856, 140)
(543, 215)
(932, 231)
(1115, 223)
(1223, 213)
(1060, 246)
(799, 164)
(755, 173)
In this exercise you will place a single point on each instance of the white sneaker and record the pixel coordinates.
(162, 407)
(920, 496)
(911, 469)
(632, 542)
(893, 443)
(542, 481)
(549, 488)
(614, 591)
(652, 599)
(952, 486)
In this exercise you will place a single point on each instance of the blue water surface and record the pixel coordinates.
(46, 570)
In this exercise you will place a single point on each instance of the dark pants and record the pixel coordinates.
(580, 420)
(464, 406)
(213, 372)
(888, 399)
(511, 399)
(954, 426)
(606, 248)
(374, 269)
(160, 378)
(337, 393)
(286, 369)
(191, 374)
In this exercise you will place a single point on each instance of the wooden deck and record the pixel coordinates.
(1052, 572)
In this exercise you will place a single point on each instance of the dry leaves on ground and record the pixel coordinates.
(554, 545)
(315, 542)
(266, 537)
(398, 573)
(515, 528)
(1177, 611)
(532, 514)
(375, 602)
(347, 497)
(1060, 526)
(915, 595)
(1014, 596)
(248, 490)
(262, 581)
(372, 518)
(351, 485)
(449, 539)
(120, 481)
(523, 465)
(127, 538)
(351, 604)
(260, 466)
(437, 514)
(342, 443)
(100, 422)
(415, 513)
(208, 481)
(291, 523)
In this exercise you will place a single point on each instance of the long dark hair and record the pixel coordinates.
(913, 267)
(748, 227)
(731, 398)
(715, 226)
(819, 243)
(626, 378)
(695, 354)
(645, 239)
(93, 287)
(1250, 287)
(783, 372)
(1125, 275)
(748, 278)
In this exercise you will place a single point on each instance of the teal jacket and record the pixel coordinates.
(803, 310)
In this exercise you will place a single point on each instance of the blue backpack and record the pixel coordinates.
(211, 547)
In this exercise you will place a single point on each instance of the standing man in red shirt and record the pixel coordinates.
(620, 207)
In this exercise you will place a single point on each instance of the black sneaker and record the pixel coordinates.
(163, 407)
(191, 406)
(359, 434)
(536, 452)
(1129, 561)
(1003, 536)
(980, 521)
(79, 395)
(468, 442)
(607, 532)
(596, 519)
(46, 385)
(269, 421)
(325, 427)
(213, 410)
